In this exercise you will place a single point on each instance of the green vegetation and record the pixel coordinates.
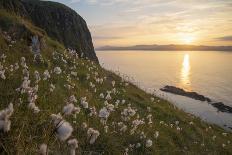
(171, 130)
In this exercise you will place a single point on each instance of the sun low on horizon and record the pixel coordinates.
(136, 22)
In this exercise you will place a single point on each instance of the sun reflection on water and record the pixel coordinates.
(185, 73)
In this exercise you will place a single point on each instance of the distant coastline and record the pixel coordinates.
(168, 47)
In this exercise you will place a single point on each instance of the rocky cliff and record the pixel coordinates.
(59, 21)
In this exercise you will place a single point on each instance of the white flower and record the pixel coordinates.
(108, 97)
(93, 135)
(5, 114)
(156, 135)
(33, 107)
(84, 103)
(72, 99)
(43, 149)
(56, 118)
(104, 113)
(113, 83)
(102, 96)
(2, 74)
(46, 75)
(57, 70)
(52, 87)
(68, 109)
(73, 144)
(16, 66)
(148, 143)
(74, 73)
(37, 76)
(64, 130)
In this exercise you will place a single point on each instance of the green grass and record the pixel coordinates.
(28, 130)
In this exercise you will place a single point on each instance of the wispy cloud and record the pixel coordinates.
(225, 38)
(155, 21)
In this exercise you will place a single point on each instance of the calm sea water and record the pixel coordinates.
(206, 72)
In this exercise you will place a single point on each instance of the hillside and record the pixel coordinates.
(52, 101)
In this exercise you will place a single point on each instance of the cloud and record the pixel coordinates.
(106, 37)
(225, 38)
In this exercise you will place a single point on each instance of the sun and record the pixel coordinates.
(188, 39)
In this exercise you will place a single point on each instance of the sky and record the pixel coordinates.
(133, 22)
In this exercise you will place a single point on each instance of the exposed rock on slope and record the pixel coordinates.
(59, 21)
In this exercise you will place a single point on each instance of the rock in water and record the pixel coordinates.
(178, 91)
(182, 92)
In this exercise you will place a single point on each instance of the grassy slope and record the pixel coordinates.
(29, 130)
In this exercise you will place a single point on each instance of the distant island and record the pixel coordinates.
(170, 47)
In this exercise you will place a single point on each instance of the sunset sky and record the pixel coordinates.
(130, 22)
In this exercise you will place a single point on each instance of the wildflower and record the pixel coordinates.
(64, 130)
(92, 111)
(57, 70)
(148, 143)
(16, 66)
(84, 103)
(33, 107)
(93, 135)
(74, 73)
(106, 128)
(2, 74)
(46, 75)
(72, 99)
(73, 144)
(104, 113)
(102, 96)
(156, 135)
(43, 149)
(37, 76)
(108, 97)
(68, 109)
(138, 145)
(52, 87)
(113, 83)
(5, 114)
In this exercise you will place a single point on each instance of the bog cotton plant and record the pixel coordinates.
(73, 145)
(57, 70)
(63, 128)
(43, 149)
(5, 115)
(92, 135)
(84, 103)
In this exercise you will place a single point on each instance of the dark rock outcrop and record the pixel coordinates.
(178, 91)
(182, 92)
(60, 22)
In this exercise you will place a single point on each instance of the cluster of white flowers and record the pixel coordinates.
(127, 113)
(92, 135)
(135, 125)
(5, 114)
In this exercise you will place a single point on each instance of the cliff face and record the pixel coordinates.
(59, 21)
